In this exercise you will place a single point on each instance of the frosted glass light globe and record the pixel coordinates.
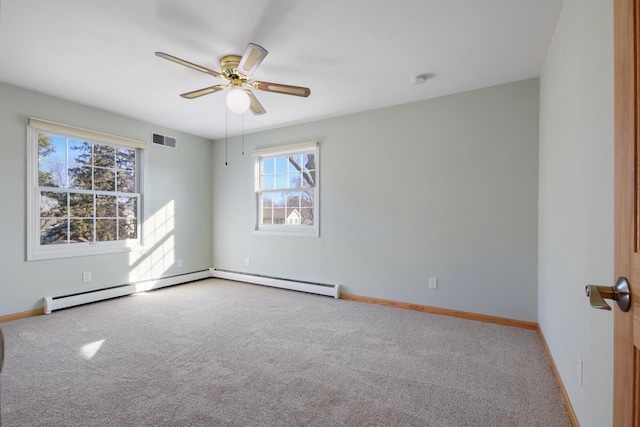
(238, 100)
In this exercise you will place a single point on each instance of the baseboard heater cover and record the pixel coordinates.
(277, 282)
(65, 301)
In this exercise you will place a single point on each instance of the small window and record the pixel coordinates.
(287, 190)
(85, 192)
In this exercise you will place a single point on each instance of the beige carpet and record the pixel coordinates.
(219, 353)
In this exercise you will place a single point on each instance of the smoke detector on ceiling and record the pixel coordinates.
(419, 79)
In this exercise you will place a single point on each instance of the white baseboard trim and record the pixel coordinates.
(65, 301)
(276, 282)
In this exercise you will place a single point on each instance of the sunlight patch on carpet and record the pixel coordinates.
(89, 350)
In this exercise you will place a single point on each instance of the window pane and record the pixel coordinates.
(269, 182)
(52, 148)
(306, 216)
(104, 156)
(104, 179)
(81, 230)
(52, 174)
(295, 162)
(127, 229)
(81, 205)
(127, 207)
(309, 170)
(268, 166)
(309, 162)
(307, 198)
(79, 152)
(293, 199)
(281, 164)
(309, 179)
(53, 231)
(53, 204)
(293, 216)
(267, 200)
(295, 180)
(266, 217)
(126, 181)
(125, 159)
(105, 205)
(105, 230)
(80, 177)
(279, 199)
(282, 180)
(278, 216)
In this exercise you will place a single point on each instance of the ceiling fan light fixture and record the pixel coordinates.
(238, 101)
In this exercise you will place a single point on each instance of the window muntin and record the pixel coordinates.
(287, 190)
(86, 195)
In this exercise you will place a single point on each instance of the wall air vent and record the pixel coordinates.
(166, 141)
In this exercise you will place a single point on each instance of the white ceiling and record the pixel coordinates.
(355, 55)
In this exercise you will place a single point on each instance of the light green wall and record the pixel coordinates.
(576, 203)
(178, 200)
(444, 188)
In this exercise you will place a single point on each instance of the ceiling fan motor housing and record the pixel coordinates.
(229, 65)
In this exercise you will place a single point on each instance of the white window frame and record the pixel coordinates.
(36, 251)
(286, 229)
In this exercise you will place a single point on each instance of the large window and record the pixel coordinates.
(85, 192)
(287, 190)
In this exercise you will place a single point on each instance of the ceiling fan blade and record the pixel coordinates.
(251, 59)
(205, 91)
(188, 64)
(284, 89)
(256, 107)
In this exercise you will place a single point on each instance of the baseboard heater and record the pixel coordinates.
(65, 301)
(277, 282)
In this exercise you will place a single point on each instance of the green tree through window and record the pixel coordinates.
(87, 191)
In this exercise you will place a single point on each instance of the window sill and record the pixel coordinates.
(287, 232)
(80, 250)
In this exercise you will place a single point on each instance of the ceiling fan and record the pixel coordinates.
(238, 71)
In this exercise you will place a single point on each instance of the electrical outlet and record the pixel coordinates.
(86, 276)
(433, 283)
(247, 262)
(579, 366)
(179, 263)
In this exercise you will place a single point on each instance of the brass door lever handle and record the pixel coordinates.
(619, 293)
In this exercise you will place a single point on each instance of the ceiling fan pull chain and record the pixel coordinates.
(243, 134)
(226, 136)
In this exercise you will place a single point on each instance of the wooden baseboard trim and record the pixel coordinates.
(21, 315)
(443, 311)
(556, 374)
(482, 318)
